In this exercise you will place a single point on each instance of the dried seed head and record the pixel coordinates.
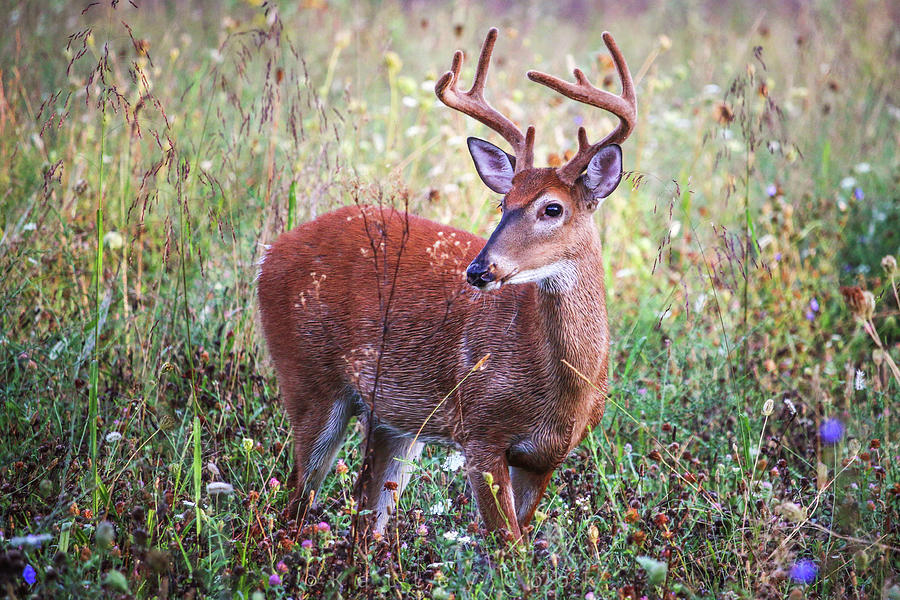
(791, 511)
(889, 264)
(768, 407)
(723, 114)
(860, 302)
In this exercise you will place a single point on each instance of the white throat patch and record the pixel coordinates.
(556, 277)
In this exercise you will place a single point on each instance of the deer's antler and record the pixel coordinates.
(473, 104)
(624, 107)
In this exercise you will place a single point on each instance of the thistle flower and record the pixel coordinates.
(812, 309)
(274, 580)
(831, 431)
(29, 575)
(804, 571)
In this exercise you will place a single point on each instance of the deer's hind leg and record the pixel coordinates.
(318, 435)
(390, 463)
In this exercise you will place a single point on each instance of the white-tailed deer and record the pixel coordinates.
(367, 311)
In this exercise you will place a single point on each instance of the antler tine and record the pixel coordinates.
(473, 104)
(623, 106)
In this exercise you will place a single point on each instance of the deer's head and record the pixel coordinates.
(546, 211)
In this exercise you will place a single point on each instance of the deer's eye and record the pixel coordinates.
(553, 210)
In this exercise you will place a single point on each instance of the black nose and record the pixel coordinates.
(479, 274)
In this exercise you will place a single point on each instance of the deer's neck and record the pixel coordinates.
(573, 309)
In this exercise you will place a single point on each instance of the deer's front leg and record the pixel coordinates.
(490, 481)
(528, 489)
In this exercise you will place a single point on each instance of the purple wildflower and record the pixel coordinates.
(281, 567)
(306, 544)
(814, 305)
(777, 256)
(29, 574)
(274, 580)
(771, 190)
(323, 526)
(579, 120)
(858, 193)
(804, 571)
(642, 391)
(831, 431)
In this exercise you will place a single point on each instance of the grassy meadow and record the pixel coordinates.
(750, 447)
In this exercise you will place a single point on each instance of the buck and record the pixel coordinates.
(374, 312)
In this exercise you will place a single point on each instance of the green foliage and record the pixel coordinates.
(148, 155)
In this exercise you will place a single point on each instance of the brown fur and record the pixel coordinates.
(323, 296)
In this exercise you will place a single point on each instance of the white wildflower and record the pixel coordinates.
(453, 462)
(790, 406)
(848, 182)
(440, 507)
(699, 303)
(112, 437)
(114, 240)
(859, 382)
(33, 540)
(219, 487)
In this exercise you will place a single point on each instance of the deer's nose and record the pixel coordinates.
(480, 274)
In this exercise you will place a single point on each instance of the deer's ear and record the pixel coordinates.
(604, 172)
(495, 167)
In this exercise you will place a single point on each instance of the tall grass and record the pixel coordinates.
(150, 152)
